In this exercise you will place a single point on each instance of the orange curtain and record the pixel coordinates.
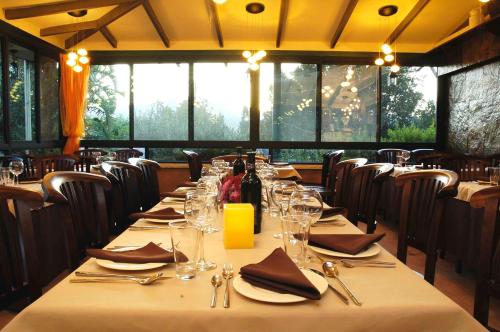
(73, 93)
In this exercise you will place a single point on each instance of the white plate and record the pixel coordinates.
(128, 266)
(264, 295)
(173, 200)
(163, 221)
(372, 250)
(184, 189)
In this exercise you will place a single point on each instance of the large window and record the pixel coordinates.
(49, 98)
(22, 93)
(221, 102)
(290, 115)
(2, 138)
(409, 105)
(107, 116)
(161, 101)
(349, 103)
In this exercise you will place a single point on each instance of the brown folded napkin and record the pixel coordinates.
(279, 274)
(165, 214)
(328, 212)
(347, 243)
(174, 194)
(151, 253)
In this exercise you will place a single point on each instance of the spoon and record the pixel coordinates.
(227, 273)
(332, 271)
(141, 281)
(339, 294)
(216, 282)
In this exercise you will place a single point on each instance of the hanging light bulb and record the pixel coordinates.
(220, 2)
(386, 48)
(379, 61)
(247, 54)
(354, 89)
(82, 52)
(72, 55)
(345, 84)
(77, 68)
(389, 58)
(83, 60)
(395, 68)
(254, 66)
(71, 62)
(348, 77)
(260, 54)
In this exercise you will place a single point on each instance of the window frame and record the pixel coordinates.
(276, 57)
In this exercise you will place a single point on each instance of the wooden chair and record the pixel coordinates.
(422, 205)
(417, 154)
(149, 184)
(365, 188)
(330, 160)
(86, 158)
(19, 263)
(47, 165)
(389, 155)
(488, 273)
(436, 160)
(29, 172)
(127, 180)
(195, 164)
(469, 168)
(341, 180)
(84, 211)
(123, 155)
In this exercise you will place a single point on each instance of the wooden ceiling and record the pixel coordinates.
(310, 25)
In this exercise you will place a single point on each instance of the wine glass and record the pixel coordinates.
(16, 167)
(406, 156)
(210, 186)
(112, 156)
(306, 207)
(267, 176)
(280, 194)
(196, 212)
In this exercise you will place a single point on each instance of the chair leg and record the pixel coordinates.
(430, 268)
(459, 266)
(482, 302)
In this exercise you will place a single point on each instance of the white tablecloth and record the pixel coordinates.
(393, 299)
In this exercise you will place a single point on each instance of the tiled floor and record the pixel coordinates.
(459, 287)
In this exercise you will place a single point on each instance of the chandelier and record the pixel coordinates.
(386, 53)
(79, 57)
(254, 57)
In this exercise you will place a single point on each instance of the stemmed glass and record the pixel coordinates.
(210, 186)
(306, 207)
(280, 194)
(267, 176)
(220, 167)
(16, 167)
(406, 156)
(196, 212)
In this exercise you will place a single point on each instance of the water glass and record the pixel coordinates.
(185, 243)
(494, 175)
(5, 176)
(16, 167)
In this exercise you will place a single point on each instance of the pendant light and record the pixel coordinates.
(386, 50)
(254, 57)
(79, 57)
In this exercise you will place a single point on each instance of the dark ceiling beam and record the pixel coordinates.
(12, 13)
(156, 23)
(419, 6)
(73, 27)
(109, 37)
(343, 22)
(107, 19)
(282, 22)
(214, 18)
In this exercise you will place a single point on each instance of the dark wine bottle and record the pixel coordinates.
(251, 191)
(238, 164)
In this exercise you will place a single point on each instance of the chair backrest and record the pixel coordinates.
(123, 155)
(83, 196)
(149, 185)
(389, 155)
(129, 178)
(47, 165)
(330, 159)
(422, 204)
(488, 273)
(341, 179)
(469, 168)
(435, 160)
(90, 153)
(195, 164)
(417, 154)
(19, 263)
(366, 183)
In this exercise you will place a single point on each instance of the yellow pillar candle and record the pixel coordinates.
(238, 226)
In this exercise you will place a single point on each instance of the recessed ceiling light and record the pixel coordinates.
(388, 10)
(255, 7)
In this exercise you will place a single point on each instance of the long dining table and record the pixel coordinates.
(394, 299)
